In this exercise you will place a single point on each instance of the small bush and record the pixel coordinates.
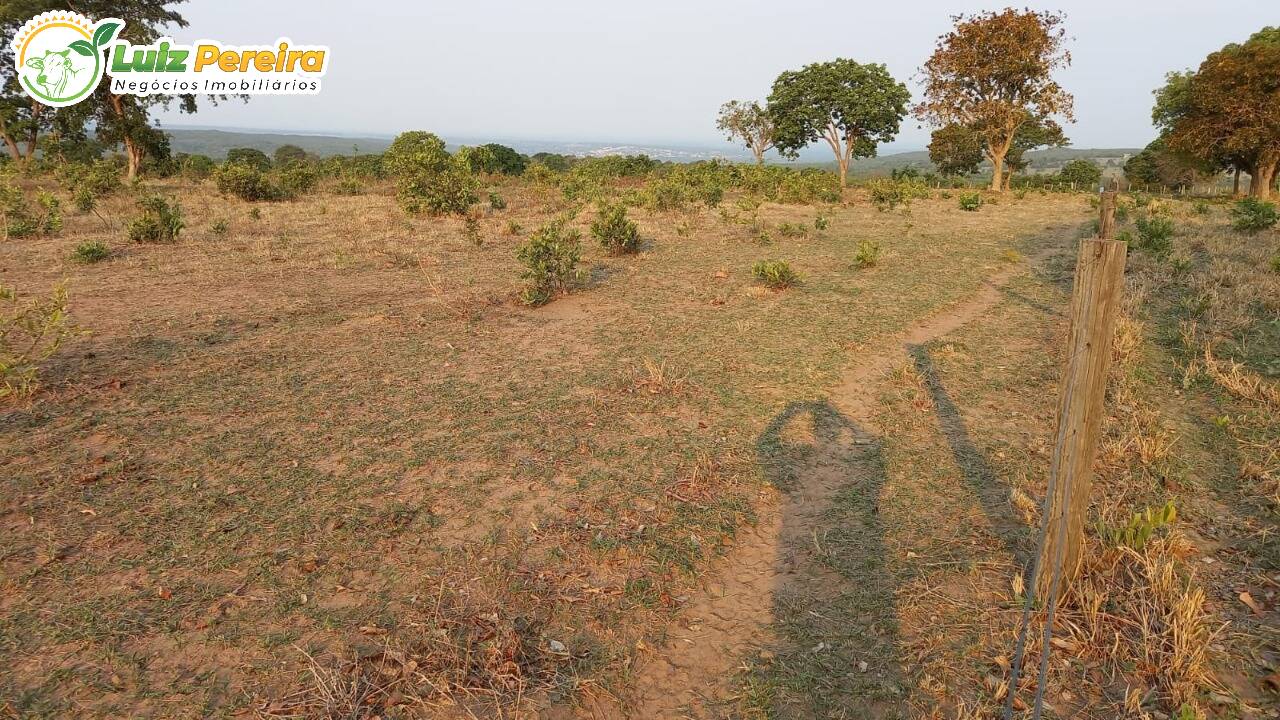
(1275, 263)
(90, 251)
(1252, 215)
(970, 202)
(298, 179)
(349, 185)
(159, 222)
(496, 202)
(249, 157)
(219, 228)
(514, 228)
(615, 231)
(887, 194)
(428, 179)
(246, 182)
(821, 222)
(18, 221)
(84, 200)
(867, 253)
(30, 333)
(99, 178)
(789, 230)
(1155, 234)
(255, 213)
(1200, 207)
(776, 274)
(50, 213)
(550, 258)
(471, 229)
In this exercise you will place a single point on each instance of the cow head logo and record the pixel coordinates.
(61, 56)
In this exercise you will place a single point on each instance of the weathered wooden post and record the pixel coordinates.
(1095, 303)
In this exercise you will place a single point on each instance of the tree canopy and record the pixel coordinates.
(852, 106)
(993, 74)
(1227, 112)
(749, 124)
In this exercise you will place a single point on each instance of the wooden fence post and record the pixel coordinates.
(1095, 303)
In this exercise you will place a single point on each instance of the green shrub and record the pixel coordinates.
(100, 178)
(90, 251)
(821, 222)
(550, 258)
(1155, 234)
(196, 167)
(84, 200)
(616, 233)
(349, 185)
(159, 222)
(30, 333)
(50, 221)
(867, 253)
(887, 194)
(776, 274)
(971, 201)
(255, 213)
(514, 228)
(298, 179)
(1200, 207)
(246, 182)
(540, 174)
(219, 228)
(789, 230)
(1086, 174)
(18, 219)
(428, 179)
(496, 202)
(251, 157)
(1275, 263)
(1252, 215)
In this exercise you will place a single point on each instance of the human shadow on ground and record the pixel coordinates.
(992, 494)
(836, 628)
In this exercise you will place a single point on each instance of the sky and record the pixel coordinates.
(656, 71)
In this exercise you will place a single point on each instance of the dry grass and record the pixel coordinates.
(308, 424)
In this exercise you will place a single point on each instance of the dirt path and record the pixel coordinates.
(731, 616)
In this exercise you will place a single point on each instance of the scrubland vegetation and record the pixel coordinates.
(475, 434)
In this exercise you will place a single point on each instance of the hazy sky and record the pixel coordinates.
(657, 70)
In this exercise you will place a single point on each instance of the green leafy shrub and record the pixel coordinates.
(219, 228)
(50, 213)
(514, 228)
(99, 178)
(822, 222)
(1200, 207)
(540, 174)
(887, 194)
(789, 230)
(246, 182)
(1155, 234)
(1136, 533)
(160, 222)
(867, 253)
(298, 179)
(550, 257)
(428, 179)
(84, 200)
(349, 185)
(90, 251)
(195, 166)
(471, 229)
(970, 202)
(1275, 263)
(776, 274)
(250, 157)
(30, 333)
(496, 202)
(1252, 215)
(616, 233)
(1086, 174)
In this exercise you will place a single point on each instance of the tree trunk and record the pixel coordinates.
(14, 153)
(1263, 175)
(997, 171)
(1235, 183)
(759, 153)
(843, 161)
(36, 109)
(133, 152)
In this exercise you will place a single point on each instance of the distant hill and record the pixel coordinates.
(215, 143)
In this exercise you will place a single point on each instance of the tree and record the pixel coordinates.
(427, 177)
(1228, 112)
(955, 150)
(1156, 164)
(993, 73)
(252, 157)
(288, 154)
(1043, 132)
(747, 123)
(852, 106)
(1084, 173)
